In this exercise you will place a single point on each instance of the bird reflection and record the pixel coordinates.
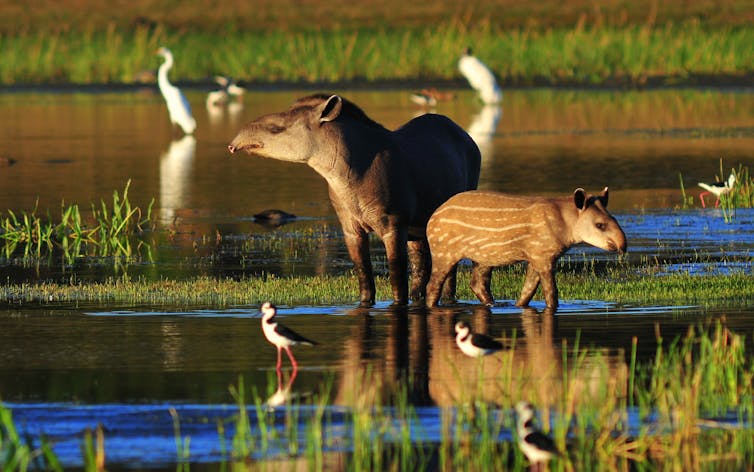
(175, 176)
(284, 392)
(483, 128)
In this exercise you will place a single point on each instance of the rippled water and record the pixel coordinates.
(66, 368)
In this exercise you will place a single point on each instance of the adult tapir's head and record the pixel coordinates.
(311, 126)
(595, 225)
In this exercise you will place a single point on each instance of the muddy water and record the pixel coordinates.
(133, 362)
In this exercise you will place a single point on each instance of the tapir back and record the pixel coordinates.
(496, 229)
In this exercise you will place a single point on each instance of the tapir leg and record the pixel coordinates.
(396, 242)
(530, 286)
(358, 249)
(419, 262)
(549, 288)
(481, 276)
(440, 271)
(449, 287)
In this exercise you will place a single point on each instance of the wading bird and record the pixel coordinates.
(279, 335)
(717, 189)
(536, 446)
(228, 89)
(480, 78)
(178, 107)
(475, 344)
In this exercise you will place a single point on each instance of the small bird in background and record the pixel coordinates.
(178, 107)
(280, 336)
(536, 446)
(430, 97)
(480, 78)
(228, 90)
(475, 344)
(717, 188)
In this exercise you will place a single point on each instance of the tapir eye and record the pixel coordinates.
(601, 226)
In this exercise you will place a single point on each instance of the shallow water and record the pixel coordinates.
(66, 368)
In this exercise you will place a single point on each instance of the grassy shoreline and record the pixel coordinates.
(623, 288)
(630, 55)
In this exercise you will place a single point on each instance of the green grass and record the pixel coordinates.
(580, 54)
(110, 231)
(619, 285)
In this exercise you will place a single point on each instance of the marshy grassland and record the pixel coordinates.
(265, 42)
(616, 285)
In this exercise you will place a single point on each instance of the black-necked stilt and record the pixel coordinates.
(536, 446)
(475, 344)
(717, 188)
(480, 77)
(279, 335)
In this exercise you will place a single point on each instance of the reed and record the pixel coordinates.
(111, 231)
(581, 54)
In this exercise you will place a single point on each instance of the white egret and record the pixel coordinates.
(178, 107)
(480, 78)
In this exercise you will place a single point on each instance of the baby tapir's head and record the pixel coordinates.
(595, 225)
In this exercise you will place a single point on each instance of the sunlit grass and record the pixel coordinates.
(112, 230)
(631, 54)
(618, 286)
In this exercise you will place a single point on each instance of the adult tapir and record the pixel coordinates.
(381, 181)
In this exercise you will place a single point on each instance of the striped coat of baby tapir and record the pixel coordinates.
(496, 229)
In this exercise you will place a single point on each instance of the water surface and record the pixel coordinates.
(65, 368)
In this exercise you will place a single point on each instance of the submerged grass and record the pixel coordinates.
(582, 54)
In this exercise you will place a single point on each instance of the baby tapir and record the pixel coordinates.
(495, 229)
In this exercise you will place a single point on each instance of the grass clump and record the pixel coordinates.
(110, 231)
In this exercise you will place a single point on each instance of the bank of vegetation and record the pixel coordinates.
(550, 44)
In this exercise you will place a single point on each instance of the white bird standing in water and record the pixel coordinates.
(279, 335)
(536, 446)
(480, 78)
(178, 107)
(475, 344)
(718, 188)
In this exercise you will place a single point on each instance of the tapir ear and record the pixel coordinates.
(331, 109)
(603, 198)
(579, 198)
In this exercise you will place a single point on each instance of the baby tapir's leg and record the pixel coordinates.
(531, 282)
(440, 270)
(449, 287)
(536, 274)
(481, 276)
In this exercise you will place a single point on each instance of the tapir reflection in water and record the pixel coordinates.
(495, 229)
(381, 181)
